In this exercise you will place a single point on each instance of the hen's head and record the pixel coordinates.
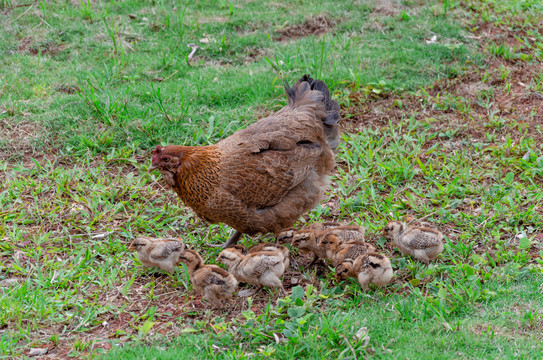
(167, 157)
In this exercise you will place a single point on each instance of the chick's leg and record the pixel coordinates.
(314, 261)
(422, 256)
(271, 280)
(212, 297)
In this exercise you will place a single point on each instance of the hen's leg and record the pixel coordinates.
(232, 241)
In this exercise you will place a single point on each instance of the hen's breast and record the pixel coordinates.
(198, 182)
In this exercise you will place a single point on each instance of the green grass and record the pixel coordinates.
(126, 64)
(396, 327)
(86, 89)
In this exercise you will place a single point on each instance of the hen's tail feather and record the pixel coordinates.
(297, 91)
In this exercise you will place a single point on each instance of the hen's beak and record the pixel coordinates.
(152, 167)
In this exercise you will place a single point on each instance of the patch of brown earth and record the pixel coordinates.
(28, 45)
(17, 138)
(67, 89)
(316, 25)
(387, 7)
(478, 103)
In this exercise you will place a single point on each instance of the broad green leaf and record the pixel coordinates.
(297, 293)
(296, 312)
(144, 329)
(524, 243)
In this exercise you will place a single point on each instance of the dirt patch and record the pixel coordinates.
(67, 89)
(387, 8)
(29, 46)
(316, 25)
(504, 94)
(254, 54)
(212, 20)
(494, 100)
(17, 139)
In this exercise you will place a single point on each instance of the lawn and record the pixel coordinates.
(442, 118)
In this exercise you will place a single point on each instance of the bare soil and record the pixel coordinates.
(317, 25)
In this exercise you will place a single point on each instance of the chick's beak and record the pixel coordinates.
(131, 246)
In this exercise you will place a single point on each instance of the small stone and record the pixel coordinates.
(245, 293)
(362, 336)
(37, 351)
(7, 282)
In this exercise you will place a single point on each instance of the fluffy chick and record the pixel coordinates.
(262, 268)
(337, 250)
(212, 282)
(369, 268)
(162, 253)
(311, 237)
(279, 249)
(348, 232)
(286, 235)
(424, 244)
(306, 240)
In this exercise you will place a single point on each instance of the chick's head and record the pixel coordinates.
(140, 243)
(304, 237)
(330, 241)
(393, 229)
(343, 270)
(230, 256)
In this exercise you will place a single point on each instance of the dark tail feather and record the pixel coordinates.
(332, 107)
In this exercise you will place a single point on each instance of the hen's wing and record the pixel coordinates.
(164, 251)
(262, 163)
(261, 168)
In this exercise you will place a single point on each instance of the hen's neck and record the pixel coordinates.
(198, 173)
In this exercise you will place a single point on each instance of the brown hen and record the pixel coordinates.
(260, 179)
